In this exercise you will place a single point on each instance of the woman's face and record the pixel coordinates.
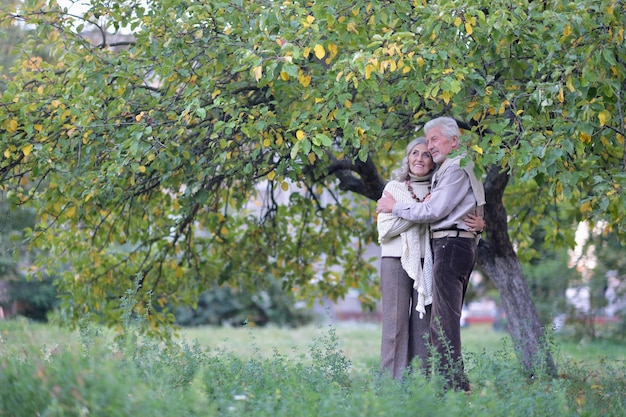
(420, 161)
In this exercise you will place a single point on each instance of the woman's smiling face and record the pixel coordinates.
(420, 161)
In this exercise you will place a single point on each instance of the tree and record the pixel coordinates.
(145, 158)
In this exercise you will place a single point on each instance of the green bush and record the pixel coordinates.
(236, 307)
(36, 298)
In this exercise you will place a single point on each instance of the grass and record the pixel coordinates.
(360, 342)
(325, 370)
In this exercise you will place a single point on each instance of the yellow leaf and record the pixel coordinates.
(27, 149)
(215, 93)
(7, 153)
(70, 212)
(300, 134)
(567, 31)
(468, 28)
(585, 137)
(312, 157)
(560, 96)
(11, 125)
(604, 116)
(569, 84)
(284, 185)
(271, 175)
(458, 21)
(333, 50)
(267, 142)
(142, 169)
(224, 231)
(420, 61)
(304, 79)
(347, 103)
(503, 106)
(585, 208)
(310, 19)
(283, 75)
(446, 97)
(319, 51)
(258, 72)
(478, 149)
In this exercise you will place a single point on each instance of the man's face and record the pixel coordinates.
(439, 145)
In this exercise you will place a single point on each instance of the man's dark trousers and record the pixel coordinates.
(454, 259)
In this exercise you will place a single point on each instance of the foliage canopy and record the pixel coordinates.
(157, 161)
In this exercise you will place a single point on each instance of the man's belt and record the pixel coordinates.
(438, 234)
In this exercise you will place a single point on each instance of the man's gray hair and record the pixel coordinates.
(402, 174)
(448, 125)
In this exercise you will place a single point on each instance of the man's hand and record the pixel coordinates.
(385, 203)
(475, 223)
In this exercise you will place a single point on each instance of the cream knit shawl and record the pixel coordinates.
(412, 249)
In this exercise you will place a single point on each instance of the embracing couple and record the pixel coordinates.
(429, 222)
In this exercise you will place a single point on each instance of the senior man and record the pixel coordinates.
(455, 193)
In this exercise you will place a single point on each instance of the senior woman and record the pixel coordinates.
(406, 267)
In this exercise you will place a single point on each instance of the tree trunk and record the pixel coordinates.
(499, 262)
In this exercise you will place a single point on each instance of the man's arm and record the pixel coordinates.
(448, 193)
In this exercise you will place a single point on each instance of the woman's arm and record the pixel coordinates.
(390, 226)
